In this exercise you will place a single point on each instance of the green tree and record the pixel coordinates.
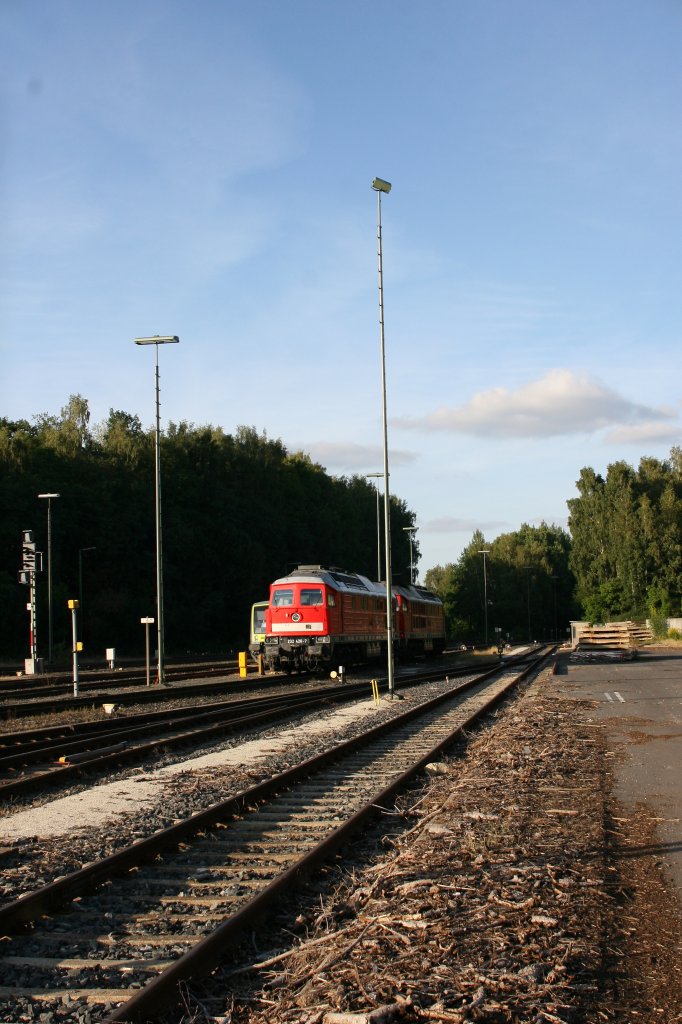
(627, 537)
(439, 580)
(68, 433)
(528, 585)
(122, 438)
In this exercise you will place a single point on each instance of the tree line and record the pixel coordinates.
(517, 587)
(621, 558)
(238, 510)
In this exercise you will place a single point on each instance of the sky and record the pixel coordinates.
(204, 170)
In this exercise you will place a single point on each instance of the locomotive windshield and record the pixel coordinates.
(282, 596)
(311, 595)
(259, 620)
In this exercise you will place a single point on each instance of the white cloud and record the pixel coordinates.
(561, 402)
(642, 433)
(347, 455)
(451, 524)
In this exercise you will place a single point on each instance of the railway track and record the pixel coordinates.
(131, 689)
(37, 759)
(56, 703)
(54, 693)
(121, 934)
(94, 679)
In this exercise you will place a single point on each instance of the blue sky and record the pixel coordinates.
(204, 169)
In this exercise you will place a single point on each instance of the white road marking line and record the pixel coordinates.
(608, 697)
(621, 699)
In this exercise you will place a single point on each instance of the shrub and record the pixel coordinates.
(658, 623)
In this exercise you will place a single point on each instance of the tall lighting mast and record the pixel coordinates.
(384, 187)
(485, 552)
(156, 341)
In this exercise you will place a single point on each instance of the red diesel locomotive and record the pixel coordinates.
(318, 618)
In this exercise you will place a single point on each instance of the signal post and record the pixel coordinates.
(27, 577)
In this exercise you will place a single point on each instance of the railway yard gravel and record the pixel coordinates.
(499, 890)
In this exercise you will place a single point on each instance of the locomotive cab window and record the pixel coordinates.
(259, 620)
(331, 600)
(311, 595)
(283, 596)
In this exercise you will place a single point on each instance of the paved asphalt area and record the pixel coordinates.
(640, 704)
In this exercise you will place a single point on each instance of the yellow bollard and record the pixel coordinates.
(375, 691)
(243, 667)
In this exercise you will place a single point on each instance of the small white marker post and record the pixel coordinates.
(147, 622)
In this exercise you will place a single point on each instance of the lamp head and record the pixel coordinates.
(48, 495)
(379, 185)
(159, 340)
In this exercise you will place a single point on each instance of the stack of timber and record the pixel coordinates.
(614, 641)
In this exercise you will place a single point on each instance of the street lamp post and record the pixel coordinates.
(411, 530)
(80, 585)
(156, 341)
(377, 476)
(49, 498)
(485, 593)
(380, 186)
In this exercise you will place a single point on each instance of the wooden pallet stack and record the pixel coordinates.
(614, 641)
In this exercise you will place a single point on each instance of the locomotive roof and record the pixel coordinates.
(340, 579)
(415, 593)
(352, 582)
